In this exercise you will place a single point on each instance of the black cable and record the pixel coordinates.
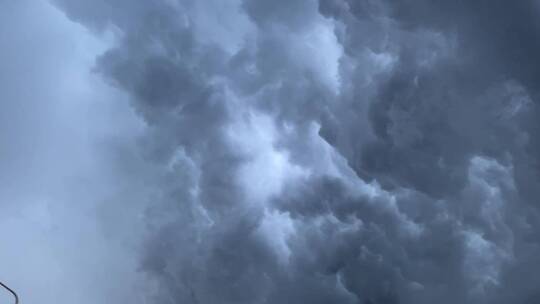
(11, 291)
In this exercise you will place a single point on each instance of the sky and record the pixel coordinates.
(253, 151)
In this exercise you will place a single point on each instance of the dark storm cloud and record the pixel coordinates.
(336, 152)
(463, 85)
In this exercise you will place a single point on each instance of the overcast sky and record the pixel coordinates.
(284, 151)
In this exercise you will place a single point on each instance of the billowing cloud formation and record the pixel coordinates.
(332, 151)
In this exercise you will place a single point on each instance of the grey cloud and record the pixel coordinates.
(406, 131)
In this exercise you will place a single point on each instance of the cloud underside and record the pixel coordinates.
(335, 151)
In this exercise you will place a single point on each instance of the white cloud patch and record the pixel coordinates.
(268, 168)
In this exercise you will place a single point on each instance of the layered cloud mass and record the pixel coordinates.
(304, 151)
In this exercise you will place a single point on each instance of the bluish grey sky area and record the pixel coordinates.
(56, 125)
(253, 151)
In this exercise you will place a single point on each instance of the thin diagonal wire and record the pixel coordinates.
(11, 291)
